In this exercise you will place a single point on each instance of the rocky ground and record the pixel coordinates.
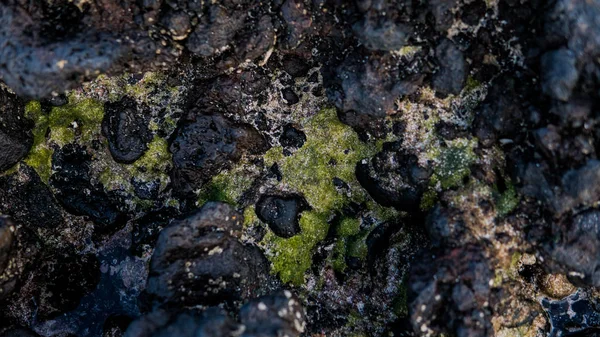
(299, 168)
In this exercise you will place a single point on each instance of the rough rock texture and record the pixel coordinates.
(206, 145)
(15, 130)
(406, 168)
(126, 130)
(199, 260)
(281, 214)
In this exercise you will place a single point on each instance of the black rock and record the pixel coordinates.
(442, 11)
(452, 73)
(160, 323)
(19, 332)
(451, 293)
(126, 129)
(279, 314)
(295, 66)
(559, 73)
(500, 114)
(15, 130)
(74, 189)
(281, 213)
(147, 228)
(215, 31)
(6, 241)
(394, 178)
(382, 34)
(205, 145)
(574, 315)
(290, 96)
(115, 326)
(365, 92)
(291, 138)
(576, 247)
(199, 260)
(147, 190)
(28, 200)
(61, 280)
(55, 100)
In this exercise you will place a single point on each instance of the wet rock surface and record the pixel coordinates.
(299, 168)
(206, 145)
(15, 131)
(281, 214)
(126, 130)
(199, 259)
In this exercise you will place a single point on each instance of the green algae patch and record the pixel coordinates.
(453, 163)
(331, 150)
(79, 120)
(155, 163)
(349, 227)
(293, 256)
(40, 155)
(507, 201)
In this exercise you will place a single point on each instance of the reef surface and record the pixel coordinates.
(299, 168)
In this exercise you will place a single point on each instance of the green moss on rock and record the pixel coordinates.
(331, 150)
(40, 155)
(79, 120)
(293, 256)
(507, 201)
(453, 163)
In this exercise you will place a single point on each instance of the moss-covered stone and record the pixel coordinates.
(78, 120)
(154, 164)
(40, 155)
(293, 256)
(331, 150)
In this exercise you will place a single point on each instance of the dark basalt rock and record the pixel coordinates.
(125, 126)
(28, 200)
(501, 113)
(212, 323)
(206, 144)
(6, 241)
(560, 74)
(295, 66)
(281, 213)
(18, 248)
(451, 293)
(18, 332)
(452, 73)
(62, 280)
(147, 228)
(75, 191)
(7, 244)
(365, 92)
(290, 96)
(15, 130)
(291, 139)
(574, 315)
(279, 314)
(199, 260)
(576, 248)
(394, 178)
(115, 326)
